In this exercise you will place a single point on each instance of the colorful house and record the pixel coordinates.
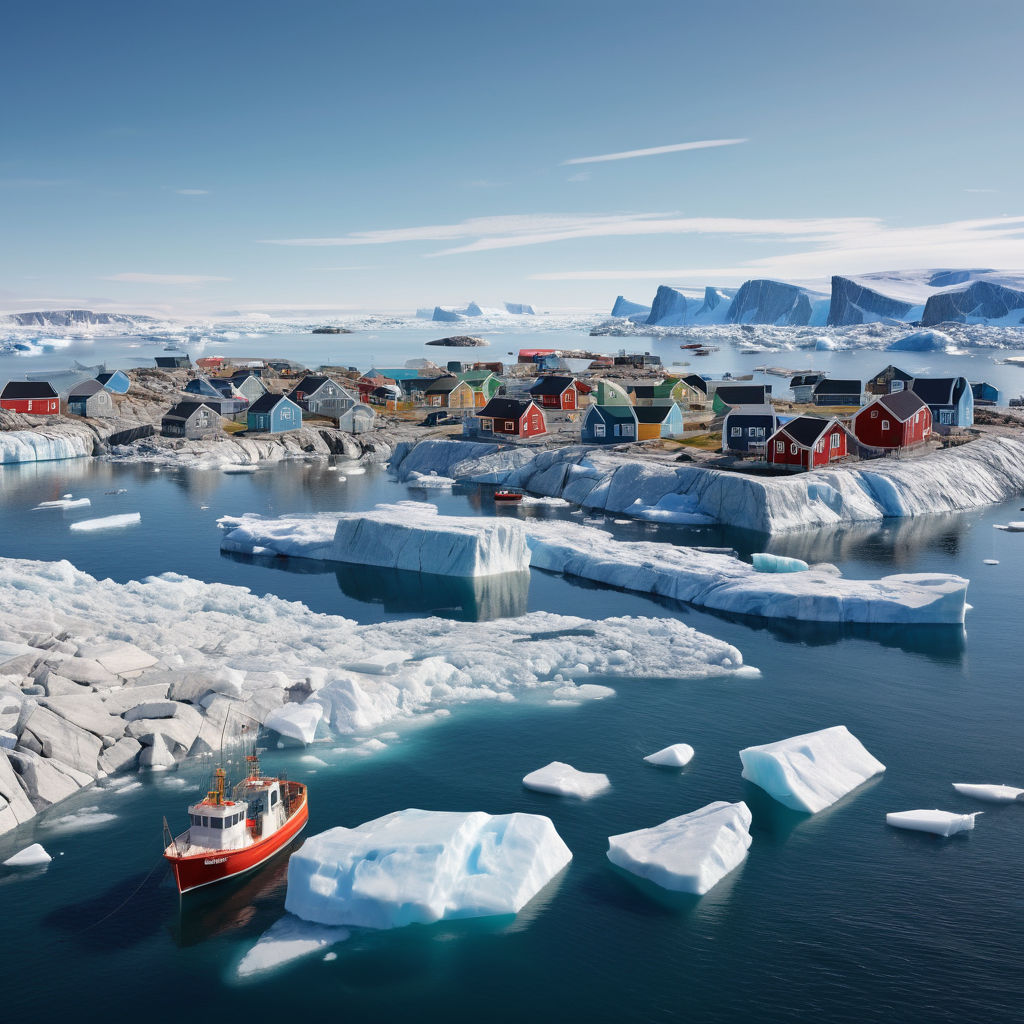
(611, 392)
(474, 390)
(655, 421)
(836, 392)
(273, 414)
(369, 382)
(888, 381)
(950, 399)
(807, 442)
(512, 417)
(117, 382)
(985, 393)
(35, 397)
(322, 396)
(437, 391)
(729, 396)
(556, 392)
(192, 420)
(747, 428)
(90, 399)
(892, 421)
(609, 424)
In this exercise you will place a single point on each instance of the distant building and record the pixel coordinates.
(191, 420)
(322, 396)
(437, 391)
(893, 421)
(807, 442)
(802, 386)
(888, 381)
(556, 392)
(474, 390)
(950, 400)
(116, 382)
(609, 424)
(35, 397)
(985, 393)
(249, 385)
(512, 418)
(273, 414)
(836, 392)
(178, 362)
(91, 399)
(654, 421)
(746, 428)
(729, 396)
(357, 419)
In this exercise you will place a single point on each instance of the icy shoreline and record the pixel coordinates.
(973, 475)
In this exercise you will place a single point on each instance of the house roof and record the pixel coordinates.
(310, 383)
(806, 430)
(268, 402)
(504, 409)
(172, 361)
(442, 385)
(653, 413)
(183, 410)
(800, 380)
(742, 394)
(902, 404)
(104, 378)
(758, 411)
(475, 376)
(615, 412)
(553, 385)
(826, 386)
(695, 380)
(897, 373)
(935, 390)
(85, 388)
(28, 389)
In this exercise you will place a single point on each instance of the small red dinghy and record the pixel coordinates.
(508, 495)
(228, 837)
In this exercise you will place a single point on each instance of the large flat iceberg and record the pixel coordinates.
(812, 771)
(417, 867)
(691, 853)
(990, 793)
(940, 823)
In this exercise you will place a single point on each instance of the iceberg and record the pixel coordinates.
(286, 940)
(855, 303)
(941, 823)
(417, 867)
(297, 721)
(922, 341)
(691, 853)
(774, 302)
(812, 771)
(32, 856)
(40, 446)
(560, 779)
(107, 522)
(992, 794)
(623, 307)
(764, 562)
(63, 503)
(675, 756)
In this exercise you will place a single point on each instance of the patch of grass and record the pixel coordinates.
(232, 427)
(710, 442)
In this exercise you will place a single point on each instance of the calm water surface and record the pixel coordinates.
(834, 917)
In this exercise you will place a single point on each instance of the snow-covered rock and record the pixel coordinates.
(812, 771)
(979, 302)
(562, 779)
(855, 303)
(990, 793)
(675, 756)
(417, 867)
(32, 856)
(942, 823)
(668, 308)
(691, 853)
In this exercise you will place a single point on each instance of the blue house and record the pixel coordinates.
(609, 424)
(950, 399)
(274, 414)
(747, 428)
(985, 393)
(654, 421)
(117, 382)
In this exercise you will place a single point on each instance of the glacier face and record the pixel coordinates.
(668, 308)
(623, 307)
(854, 303)
(979, 302)
(774, 302)
(40, 446)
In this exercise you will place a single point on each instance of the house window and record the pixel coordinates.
(598, 430)
(835, 441)
(874, 414)
(510, 425)
(30, 405)
(820, 446)
(946, 417)
(627, 430)
(485, 425)
(735, 431)
(792, 449)
(780, 447)
(897, 385)
(885, 424)
(286, 414)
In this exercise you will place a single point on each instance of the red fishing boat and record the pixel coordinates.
(508, 496)
(228, 837)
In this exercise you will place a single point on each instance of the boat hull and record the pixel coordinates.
(195, 871)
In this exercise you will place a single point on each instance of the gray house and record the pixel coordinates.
(90, 398)
(249, 385)
(322, 396)
(192, 420)
(357, 419)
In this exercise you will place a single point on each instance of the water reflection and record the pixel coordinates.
(473, 599)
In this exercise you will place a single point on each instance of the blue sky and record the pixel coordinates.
(205, 157)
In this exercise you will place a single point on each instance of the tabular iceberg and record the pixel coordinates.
(812, 771)
(941, 823)
(992, 794)
(417, 867)
(691, 853)
(561, 779)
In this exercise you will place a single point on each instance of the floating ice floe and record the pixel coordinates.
(417, 867)
(812, 771)
(529, 499)
(63, 503)
(991, 561)
(297, 721)
(993, 794)
(584, 691)
(941, 823)
(691, 853)
(675, 756)
(286, 940)
(240, 468)
(107, 522)
(764, 562)
(429, 480)
(85, 818)
(562, 779)
(32, 856)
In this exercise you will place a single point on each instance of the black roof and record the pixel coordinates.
(642, 390)
(695, 380)
(806, 430)
(266, 403)
(935, 390)
(554, 385)
(616, 412)
(652, 413)
(103, 378)
(896, 374)
(803, 379)
(902, 404)
(28, 389)
(442, 385)
(172, 362)
(743, 394)
(826, 386)
(504, 409)
(310, 383)
(85, 388)
(183, 410)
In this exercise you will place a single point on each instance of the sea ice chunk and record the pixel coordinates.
(297, 721)
(31, 856)
(562, 779)
(63, 503)
(675, 756)
(107, 522)
(764, 562)
(812, 771)
(691, 853)
(993, 794)
(942, 823)
(286, 940)
(416, 867)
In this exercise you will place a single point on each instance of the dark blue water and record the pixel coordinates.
(833, 916)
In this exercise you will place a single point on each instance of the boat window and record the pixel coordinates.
(216, 822)
(273, 798)
(206, 821)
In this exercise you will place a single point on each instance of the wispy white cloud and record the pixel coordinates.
(192, 191)
(138, 278)
(630, 154)
(856, 248)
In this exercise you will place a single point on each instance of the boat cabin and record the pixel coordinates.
(219, 826)
(265, 802)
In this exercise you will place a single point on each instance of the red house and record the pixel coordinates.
(893, 421)
(367, 384)
(36, 397)
(512, 417)
(807, 442)
(557, 392)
